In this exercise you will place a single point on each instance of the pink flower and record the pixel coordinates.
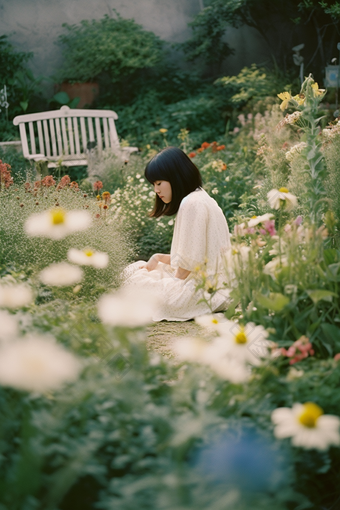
(300, 350)
(298, 220)
(270, 227)
(337, 357)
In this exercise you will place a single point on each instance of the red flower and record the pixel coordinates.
(200, 150)
(74, 185)
(205, 145)
(220, 148)
(192, 154)
(48, 181)
(97, 185)
(27, 186)
(5, 174)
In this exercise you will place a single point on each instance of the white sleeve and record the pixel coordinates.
(189, 246)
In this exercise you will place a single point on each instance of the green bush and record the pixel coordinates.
(113, 46)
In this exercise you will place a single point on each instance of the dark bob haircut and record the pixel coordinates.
(174, 166)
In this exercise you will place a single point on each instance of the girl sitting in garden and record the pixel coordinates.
(201, 238)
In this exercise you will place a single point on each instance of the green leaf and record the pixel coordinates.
(275, 301)
(318, 295)
(61, 98)
(24, 105)
(332, 335)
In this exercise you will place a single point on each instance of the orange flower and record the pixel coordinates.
(200, 150)
(205, 145)
(220, 147)
(214, 146)
(192, 154)
(224, 167)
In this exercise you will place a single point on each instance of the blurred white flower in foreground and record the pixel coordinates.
(307, 426)
(8, 326)
(281, 198)
(210, 321)
(243, 343)
(129, 306)
(255, 220)
(57, 223)
(275, 265)
(197, 350)
(61, 274)
(88, 257)
(36, 364)
(15, 296)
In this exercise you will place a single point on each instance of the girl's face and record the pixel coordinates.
(163, 190)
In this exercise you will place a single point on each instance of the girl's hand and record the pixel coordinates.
(152, 263)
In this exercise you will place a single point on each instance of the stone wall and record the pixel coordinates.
(34, 25)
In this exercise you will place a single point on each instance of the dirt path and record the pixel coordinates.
(161, 335)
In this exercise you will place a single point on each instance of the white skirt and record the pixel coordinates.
(178, 298)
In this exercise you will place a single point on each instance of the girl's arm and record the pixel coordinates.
(181, 273)
(157, 257)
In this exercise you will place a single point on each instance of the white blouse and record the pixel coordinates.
(201, 237)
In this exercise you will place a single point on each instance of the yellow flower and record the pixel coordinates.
(163, 130)
(299, 98)
(316, 90)
(286, 97)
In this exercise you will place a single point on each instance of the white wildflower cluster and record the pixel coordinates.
(231, 353)
(217, 165)
(295, 151)
(133, 203)
(332, 131)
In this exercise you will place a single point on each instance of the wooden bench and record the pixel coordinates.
(68, 136)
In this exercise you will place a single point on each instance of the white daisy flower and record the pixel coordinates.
(61, 274)
(244, 343)
(307, 426)
(36, 364)
(281, 198)
(196, 350)
(210, 321)
(8, 326)
(15, 296)
(129, 306)
(57, 223)
(255, 220)
(88, 257)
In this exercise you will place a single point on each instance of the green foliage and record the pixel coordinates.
(116, 47)
(208, 28)
(22, 86)
(313, 22)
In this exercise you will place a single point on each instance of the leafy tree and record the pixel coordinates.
(281, 25)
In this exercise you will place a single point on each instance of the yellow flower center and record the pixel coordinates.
(58, 216)
(253, 217)
(88, 253)
(241, 338)
(214, 321)
(310, 414)
(284, 190)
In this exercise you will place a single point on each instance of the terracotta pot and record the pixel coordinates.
(86, 91)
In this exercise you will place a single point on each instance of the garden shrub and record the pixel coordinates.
(113, 46)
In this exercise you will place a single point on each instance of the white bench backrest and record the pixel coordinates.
(67, 132)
